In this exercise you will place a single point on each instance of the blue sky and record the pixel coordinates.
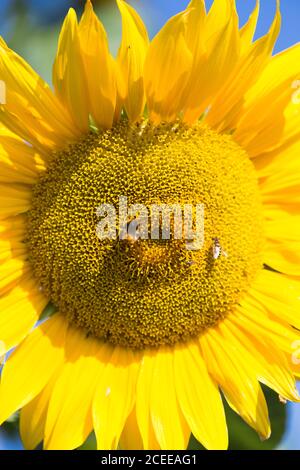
(156, 12)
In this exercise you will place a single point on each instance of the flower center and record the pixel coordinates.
(146, 292)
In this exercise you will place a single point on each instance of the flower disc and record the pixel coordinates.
(141, 293)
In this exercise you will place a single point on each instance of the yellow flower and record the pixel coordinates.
(147, 332)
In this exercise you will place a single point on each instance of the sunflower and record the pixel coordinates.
(145, 337)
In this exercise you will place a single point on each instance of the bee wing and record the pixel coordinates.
(216, 251)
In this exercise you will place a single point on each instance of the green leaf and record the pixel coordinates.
(194, 444)
(48, 311)
(90, 443)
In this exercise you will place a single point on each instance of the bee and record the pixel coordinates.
(217, 250)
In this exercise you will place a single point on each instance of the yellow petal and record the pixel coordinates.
(271, 115)
(11, 248)
(131, 438)
(170, 427)
(228, 105)
(248, 30)
(13, 228)
(280, 295)
(284, 258)
(143, 398)
(170, 58)
(31, 110)
(267, 362)
(69, 416)
(210, 69)
(281, 68)
(205, 417)
(111, 406)
(19, 311)
(282, 231)
(281, 226)
(275, 185)
(13, 171)
(254, 316)
(131, 58)
(195, 37)
(69, 79)
(31, 366)
(237, 380)
(121, 91)
(284, 157)
(14, 200)
(19, 162)
(33, 417)
(195, 29)
(11, 271)
(218, 16)
(281, 191)
(100, 68)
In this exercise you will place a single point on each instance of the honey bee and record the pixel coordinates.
(217, 249)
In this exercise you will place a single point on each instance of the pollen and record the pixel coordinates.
(142, 293)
